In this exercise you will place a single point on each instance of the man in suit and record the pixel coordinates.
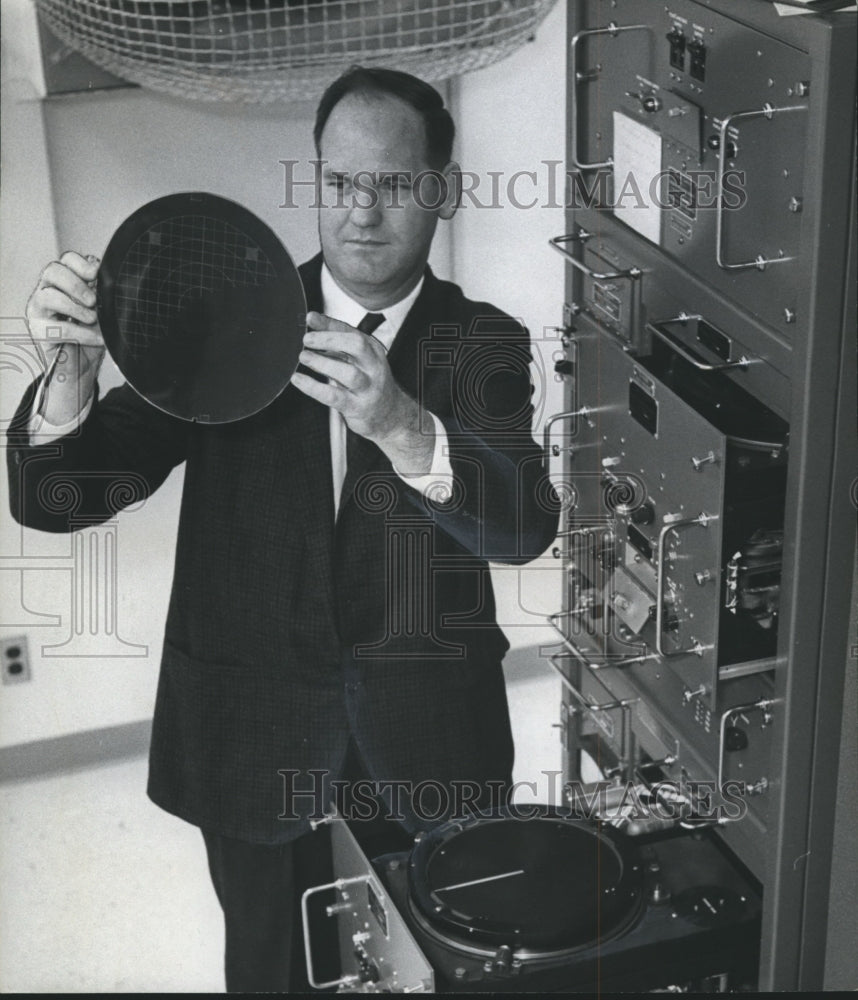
(332, 615)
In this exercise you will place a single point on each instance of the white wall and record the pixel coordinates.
(511, 118)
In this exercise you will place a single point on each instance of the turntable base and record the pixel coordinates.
(699, 918)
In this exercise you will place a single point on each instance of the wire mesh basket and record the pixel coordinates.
(259, 51)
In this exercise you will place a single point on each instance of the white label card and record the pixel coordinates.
(637, 176)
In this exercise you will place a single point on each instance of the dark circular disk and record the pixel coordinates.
(545, 884)
(201, 307)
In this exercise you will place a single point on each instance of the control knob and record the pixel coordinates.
(650, 101)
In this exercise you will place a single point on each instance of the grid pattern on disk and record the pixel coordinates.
(176, 260)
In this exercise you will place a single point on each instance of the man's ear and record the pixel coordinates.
(452, 175)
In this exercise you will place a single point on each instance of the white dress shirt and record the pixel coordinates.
(338, 305)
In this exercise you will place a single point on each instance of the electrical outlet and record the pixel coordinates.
(15, 659)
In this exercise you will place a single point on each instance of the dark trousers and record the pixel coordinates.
(259, 887)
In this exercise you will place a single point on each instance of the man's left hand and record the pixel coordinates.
(362, 388)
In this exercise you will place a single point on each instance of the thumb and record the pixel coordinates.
(319, 321)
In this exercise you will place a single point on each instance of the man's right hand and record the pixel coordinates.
(63, 323)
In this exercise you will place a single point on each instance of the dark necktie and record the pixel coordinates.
(368, 325)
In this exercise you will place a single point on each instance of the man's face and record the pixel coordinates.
(375, 234)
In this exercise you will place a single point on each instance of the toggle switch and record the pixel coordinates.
(697, 54)
(709, 459)
(688, 695)
(676, 40)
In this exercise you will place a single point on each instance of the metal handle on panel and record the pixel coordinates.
(760, 262)
(606, 706)
(579, 77)
(579, 653)
(701, 519)
(581, 237)
(549, 423)
(624, 705)
(341, 883)
(674, 342)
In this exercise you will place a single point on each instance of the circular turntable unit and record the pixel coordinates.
(524, 889)
(548, 902)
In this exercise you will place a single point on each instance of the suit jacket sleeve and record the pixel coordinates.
(121, 454)
(503, 507)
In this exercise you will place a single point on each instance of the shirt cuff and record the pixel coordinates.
(42, 432)
(437, 484)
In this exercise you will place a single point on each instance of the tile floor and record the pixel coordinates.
(101, 890)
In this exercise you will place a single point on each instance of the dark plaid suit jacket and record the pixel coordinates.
(286, 630)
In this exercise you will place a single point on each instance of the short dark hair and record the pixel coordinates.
(425, 99)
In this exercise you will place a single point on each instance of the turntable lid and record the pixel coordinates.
(543, 883)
